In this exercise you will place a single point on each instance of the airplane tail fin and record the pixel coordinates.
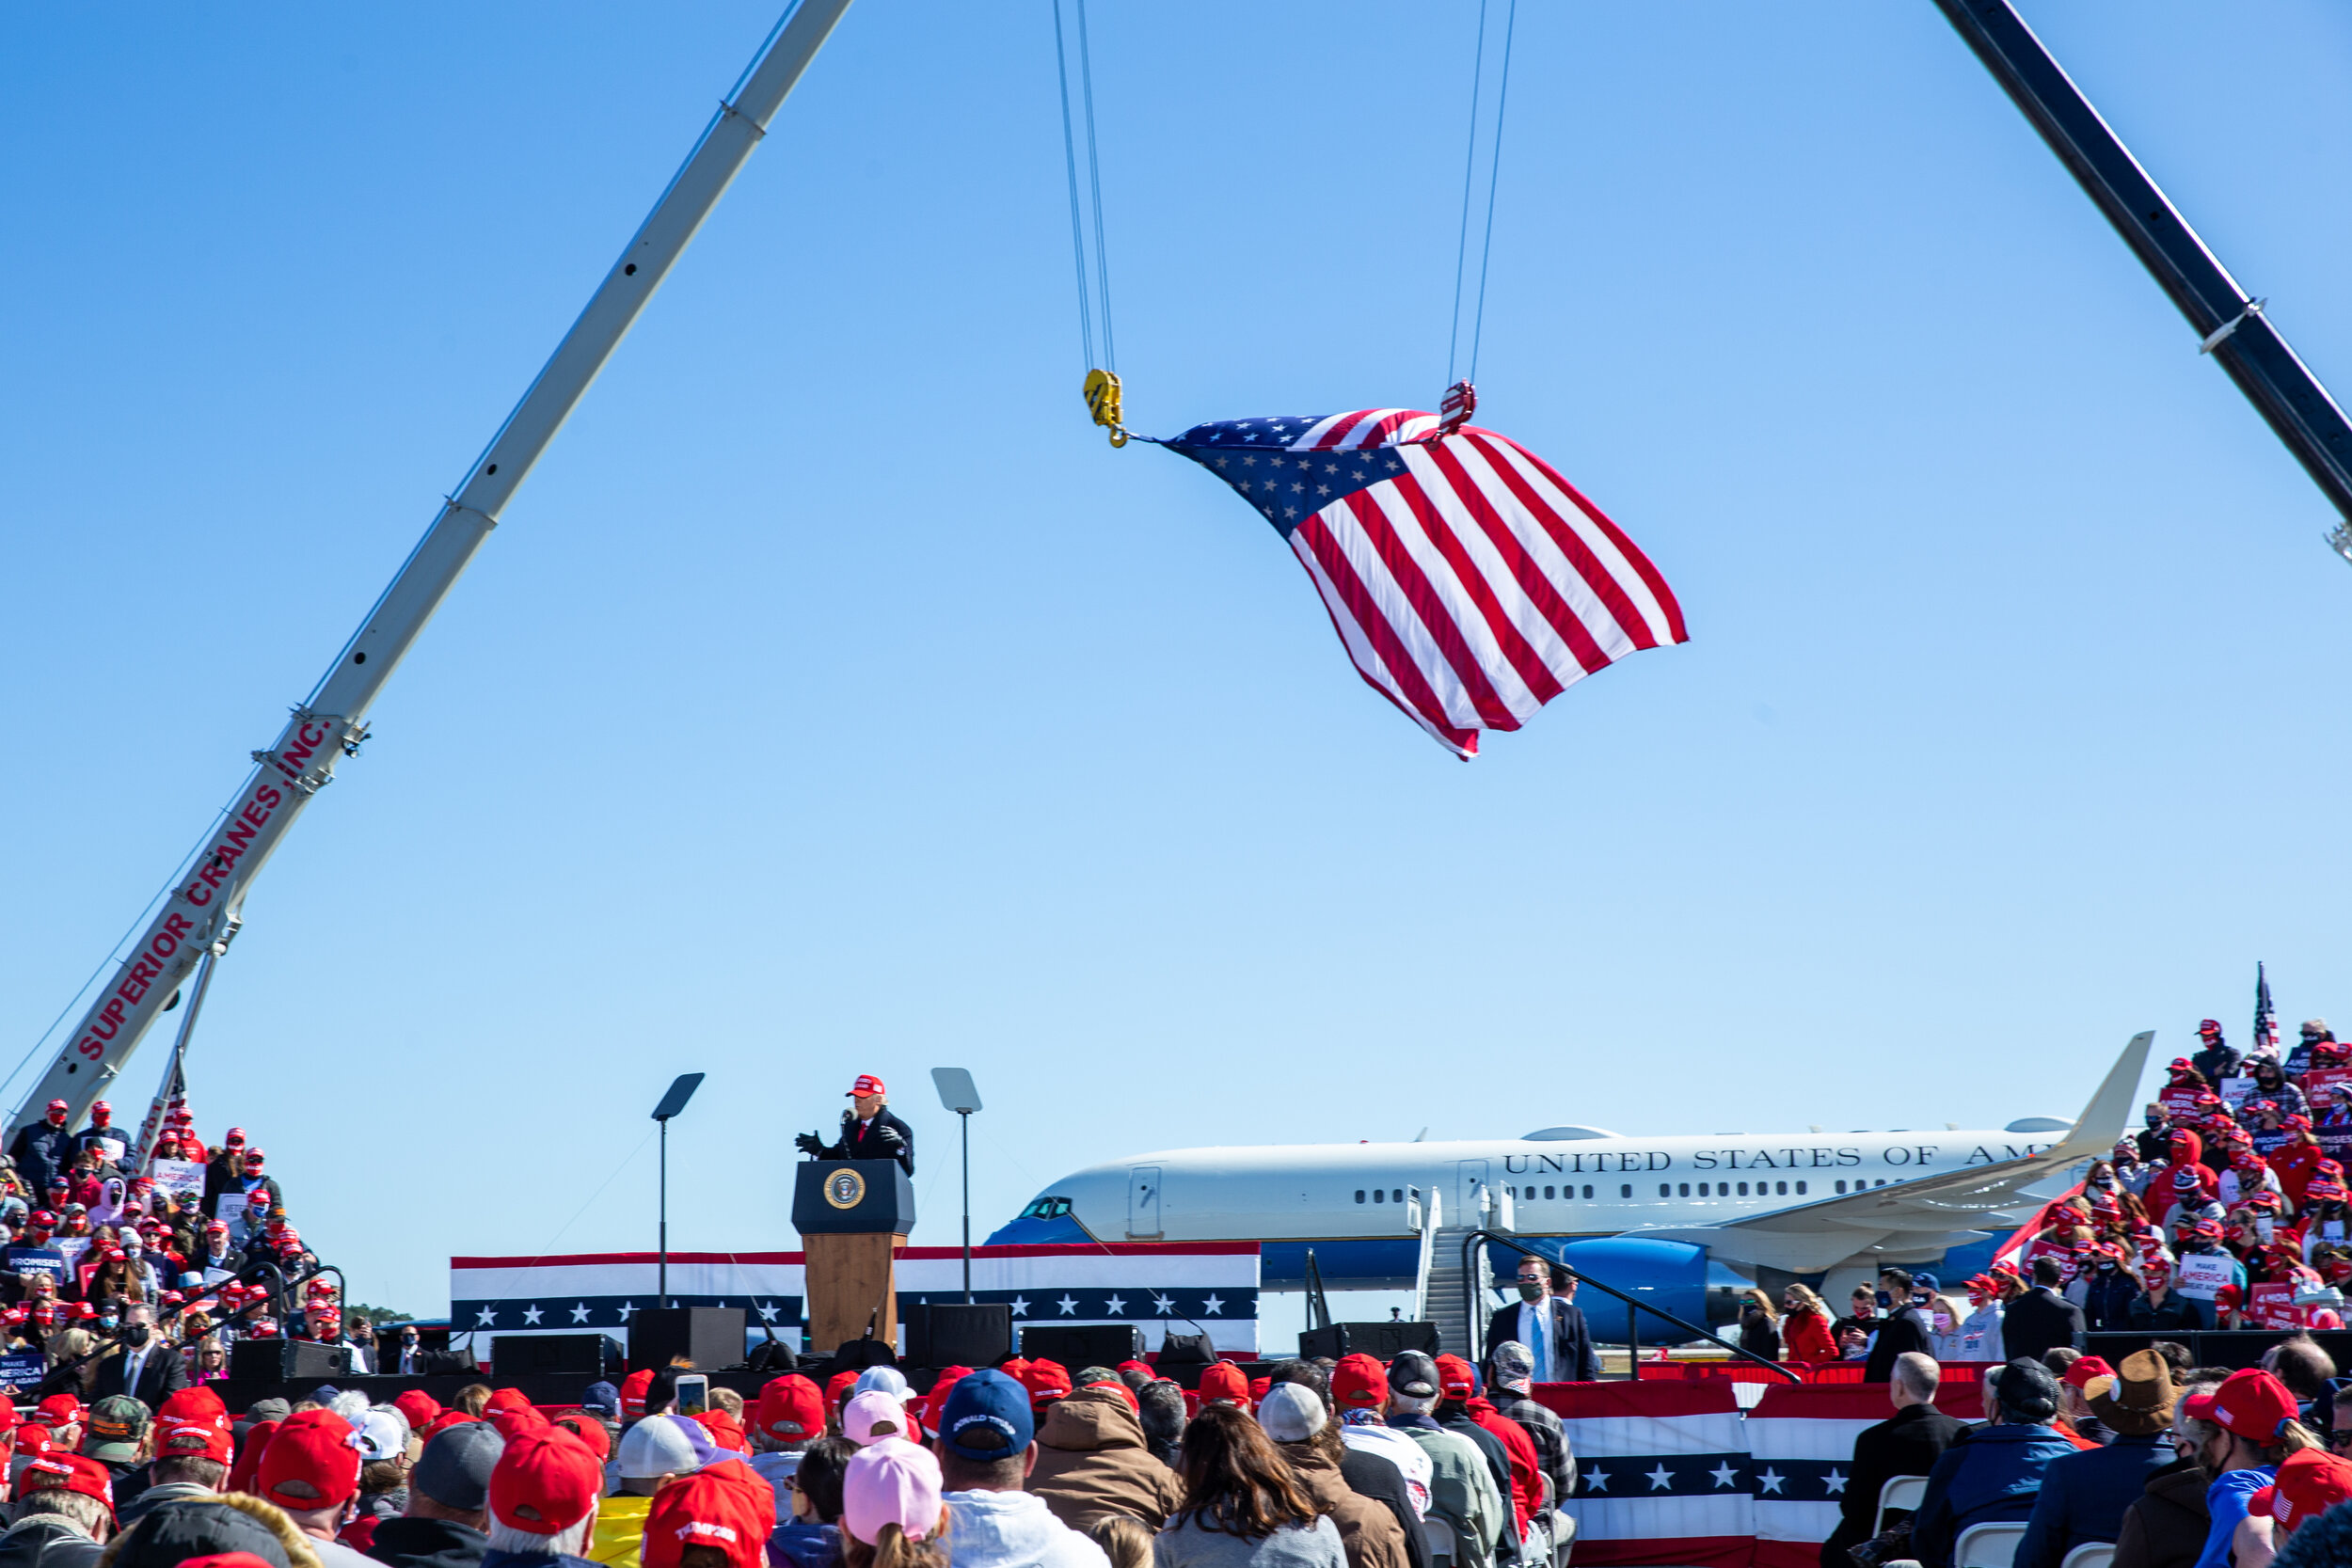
(2109, 1115)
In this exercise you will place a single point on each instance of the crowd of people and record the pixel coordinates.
(2229, 1209)
(1321, 1464)
(149, 1261)
(2175, 1465)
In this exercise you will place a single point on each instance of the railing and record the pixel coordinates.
(1482, 1239)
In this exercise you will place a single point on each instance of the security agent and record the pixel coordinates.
(868, 1131)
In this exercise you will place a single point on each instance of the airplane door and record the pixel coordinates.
(1468, 1175)
(1143, 1203)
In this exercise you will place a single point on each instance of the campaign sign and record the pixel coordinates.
(2273, 1306)
(2235, 1089)
(2199, 1275)
(37, 1259)
(71, 1248)
(2178, 1102)
(182, 1179)
(2316, 1084)
(22, 1368)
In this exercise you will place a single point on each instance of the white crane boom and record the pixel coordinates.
(201, 911)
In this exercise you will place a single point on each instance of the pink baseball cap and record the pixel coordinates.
(873, 1416)
(890, 1484)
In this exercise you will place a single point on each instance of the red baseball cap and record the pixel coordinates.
(727, 1505)
(2084, 1370)
(67, 1472)
(2310, 1482)
(506, 1399)
(866, 1084)
(1046, 1382)
(313, 1461)
(545, 1481)
(1222, 1380)
(60, 1410)
(1360, 1380)
(420, 1408)
(2251, 1403)
(634, 1393)
(442, 1422)
(583, 1425)
(198, 1404)
(196, 1439)
(1455, 1380)
(791, 1409)
(838, 1388)
(725, 1431)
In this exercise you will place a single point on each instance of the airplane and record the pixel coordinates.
(1675, 1220)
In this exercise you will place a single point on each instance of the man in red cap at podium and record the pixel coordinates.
(868, 1131)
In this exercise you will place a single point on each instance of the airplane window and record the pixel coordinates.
(1780, 1187)
(1801, 1189)
(1665, 1189)
(1626, 1191)
(1397, 1197)
(1842, 1186)
(1882, 1181)
(1686, 1189)
(1588, 1191)
(1046, 1208)
(1547, 1191)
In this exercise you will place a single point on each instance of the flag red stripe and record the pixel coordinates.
(1429, 604)
(1533, 670)
(1638, 625)
(1531, 578)
(1597, 577)
(1404, 684)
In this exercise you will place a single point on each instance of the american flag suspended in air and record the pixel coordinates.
(2265, 1016)
(1470, 583)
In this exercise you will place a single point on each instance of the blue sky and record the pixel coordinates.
(834, 699)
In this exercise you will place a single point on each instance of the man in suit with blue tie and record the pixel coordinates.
(1551, 1326)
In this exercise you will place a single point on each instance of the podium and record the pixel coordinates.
(853, 1216)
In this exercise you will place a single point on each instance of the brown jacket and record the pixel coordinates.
(1368, 1531)
(2166, 1528)
(1091, 1461)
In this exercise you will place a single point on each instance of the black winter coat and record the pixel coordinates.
(2040, 1320)
(1907, 1446)
(428, 1543)
(40, 1153)
(862, 1140)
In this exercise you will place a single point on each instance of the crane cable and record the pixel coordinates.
(1102, 386)
(1494, 170)
(1094, 297)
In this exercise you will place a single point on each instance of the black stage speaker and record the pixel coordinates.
(562, 1355)
(286, 1361)
(955, 1334)
(709, 1337)
(1385, 1342)
(1095, 1345)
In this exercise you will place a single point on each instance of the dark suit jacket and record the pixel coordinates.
(1897, 1334)
(162, 1375)
(2039, 1321)
(1908, 1445)
(1570, 1333)
(2084, 1497)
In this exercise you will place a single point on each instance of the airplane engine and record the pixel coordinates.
(1671, 1276)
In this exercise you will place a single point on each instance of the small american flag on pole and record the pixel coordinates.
(1469, 581)
(2265, 1016)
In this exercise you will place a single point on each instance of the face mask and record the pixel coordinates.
(109, 1322)
(1531, 1289)
(137, 1335)
(2106, 1181)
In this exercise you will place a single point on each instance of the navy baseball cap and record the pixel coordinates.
(986, 1401)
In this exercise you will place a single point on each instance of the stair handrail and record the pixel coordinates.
(1480, 1239)
(1429, 1228)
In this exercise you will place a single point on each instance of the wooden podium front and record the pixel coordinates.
(853, 1216)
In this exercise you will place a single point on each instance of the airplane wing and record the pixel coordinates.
(1922, 1217)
